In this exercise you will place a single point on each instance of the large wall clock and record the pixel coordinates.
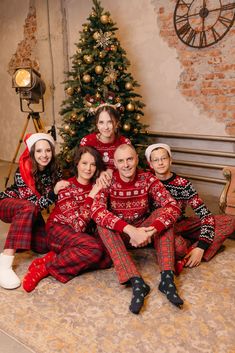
(201, 23)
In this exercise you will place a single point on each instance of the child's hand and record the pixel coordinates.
(194, 257)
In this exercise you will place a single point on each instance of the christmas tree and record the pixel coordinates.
(99, 75)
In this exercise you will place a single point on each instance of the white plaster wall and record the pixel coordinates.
(12, 120)
(52, 57)
(153, 64)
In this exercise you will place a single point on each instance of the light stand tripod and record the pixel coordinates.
(38, 128)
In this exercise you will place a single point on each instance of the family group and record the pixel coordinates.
(108, 207)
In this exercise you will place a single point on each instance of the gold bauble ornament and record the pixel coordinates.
(96, 36)
(102, 54)
(104, 19)
(70, 91)
(73, 117)
(126, 127)
(135, 131)
(93, 14)
(107, 80)
(113, 47)
(118, 99)
(86, 78)
(98, 69)
(128, 86)
(130, 107)
(78, 89)
(88, 59)
(72, 132)
(82, 119)
(66, 127)
(138, 117)
(66, 149)
(85, 28)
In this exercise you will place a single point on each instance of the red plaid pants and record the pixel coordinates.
(27, 229)
(188, 231)
(76, 252)
(117, 245)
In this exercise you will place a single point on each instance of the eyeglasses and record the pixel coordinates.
(162, 159)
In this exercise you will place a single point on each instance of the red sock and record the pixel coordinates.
(179, 265)
(42, 260)
(33, 277)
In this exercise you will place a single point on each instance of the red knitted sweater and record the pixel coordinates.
(106, 149)
(73, 206)
(129, 203)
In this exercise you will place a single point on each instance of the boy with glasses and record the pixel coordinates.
(196, 238)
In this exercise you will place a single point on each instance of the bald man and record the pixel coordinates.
(122, 213)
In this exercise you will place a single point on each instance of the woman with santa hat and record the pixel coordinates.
(37, 181)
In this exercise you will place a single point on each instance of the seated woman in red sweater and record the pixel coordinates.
(74, 246)
(106, 139)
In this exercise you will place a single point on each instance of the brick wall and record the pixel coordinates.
(25, 55)
(208, 74)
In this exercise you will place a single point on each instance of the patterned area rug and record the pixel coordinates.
(90, 313)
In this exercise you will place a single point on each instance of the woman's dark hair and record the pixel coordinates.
(79, 151)
(113, 113)
(52, 169)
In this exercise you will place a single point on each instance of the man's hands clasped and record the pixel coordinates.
(140, 237)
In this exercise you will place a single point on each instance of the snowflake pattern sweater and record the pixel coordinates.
(73, 206)
(129, 203)
(19, 190)
(106, 149)
(186, 195)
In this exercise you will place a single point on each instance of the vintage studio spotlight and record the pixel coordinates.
(31, 88)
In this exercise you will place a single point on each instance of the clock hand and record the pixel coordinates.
(222, 8)
(203, 24)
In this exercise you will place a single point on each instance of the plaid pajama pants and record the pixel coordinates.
(117, 245)
(76, 252)
(188, 231)
(27, 229)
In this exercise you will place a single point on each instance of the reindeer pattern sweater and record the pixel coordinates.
(186, 195)
(129, 203)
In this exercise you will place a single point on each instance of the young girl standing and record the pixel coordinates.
(106, 139)
(73, 243)
(36, 184)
